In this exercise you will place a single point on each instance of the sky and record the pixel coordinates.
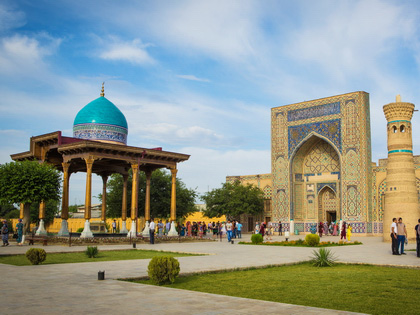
(200, 77)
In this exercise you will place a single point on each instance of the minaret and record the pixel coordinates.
(401, 197)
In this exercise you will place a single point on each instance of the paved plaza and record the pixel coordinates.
(65, 288)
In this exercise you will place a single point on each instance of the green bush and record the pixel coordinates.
(91, 251)
(79, 230)
(163, 269)
(256, 239)
(36, 255)
(300, 242)
(312, 240)
(323, 258)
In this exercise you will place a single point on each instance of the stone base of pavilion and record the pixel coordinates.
(86, 230)
(146, 230)
(41, 228)
(172, 231)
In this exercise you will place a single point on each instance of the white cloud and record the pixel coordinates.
(351, 36)
(129, 51)
(24, 56)
(10, 18)
(192, 78)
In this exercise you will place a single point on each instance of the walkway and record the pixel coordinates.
(58, 289)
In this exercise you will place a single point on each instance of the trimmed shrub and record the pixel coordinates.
(79, 230)
(163, 269)
(256, 239)
(312, 240)
(323, 258)
(36, 255)
(92, 251)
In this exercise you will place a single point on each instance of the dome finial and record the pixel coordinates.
(103, 90)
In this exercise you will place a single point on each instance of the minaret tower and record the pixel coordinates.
(401, 197)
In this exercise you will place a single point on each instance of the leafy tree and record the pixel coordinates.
(28, 182)
(73, 208)
(160, 195)
(233, 199)
(5, 209)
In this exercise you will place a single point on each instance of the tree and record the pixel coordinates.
(233, 199)
(28, 182)
(160, 195)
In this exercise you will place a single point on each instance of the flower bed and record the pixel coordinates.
(302, 243)
(56, 240)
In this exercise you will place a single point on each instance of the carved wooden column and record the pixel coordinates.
(124, 205)
(64, 230)
(147, 204)
(174, 171)
(21, 208)
(173, 231)
(134, 200)
(88, 201)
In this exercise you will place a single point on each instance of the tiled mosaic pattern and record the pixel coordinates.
(343, 124)
(100, 132)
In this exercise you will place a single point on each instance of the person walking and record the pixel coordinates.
(5, 233)
(152, 227)
(239, 229)
(257, 228)
(418, 238)
(160, 228)
(114, 226)
(343, 231)
(229, 229)
(401, 236)
(320, 229)
(19, 231)
(394, 238)
(280, 229)
(349, 230)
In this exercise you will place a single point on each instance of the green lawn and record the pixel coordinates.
(64, 258)
(357, 288)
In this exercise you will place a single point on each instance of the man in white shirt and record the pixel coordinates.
(394, 237)
(152, 227)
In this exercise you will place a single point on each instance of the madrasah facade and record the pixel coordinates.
(322, 168)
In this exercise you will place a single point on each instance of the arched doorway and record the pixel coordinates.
(327, 205)
(315, 165)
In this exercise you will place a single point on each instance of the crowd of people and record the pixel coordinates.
(229, 229)
(333, 229)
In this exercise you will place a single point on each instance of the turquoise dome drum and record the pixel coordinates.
(101, 120)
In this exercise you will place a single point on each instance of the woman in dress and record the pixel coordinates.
(19, 230)
(320, 229)
(222, 230)
(349, 230)
(257, 228)
(326, 228)
(343, 231)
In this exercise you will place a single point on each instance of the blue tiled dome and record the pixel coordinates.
(101, 120)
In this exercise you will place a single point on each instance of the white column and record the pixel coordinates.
(86, 230)
(41, 229)
(64, 230)
(146, 230)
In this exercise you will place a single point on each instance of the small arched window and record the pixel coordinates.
(402, 128)
(394, 129)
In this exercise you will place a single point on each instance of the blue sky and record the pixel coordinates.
(200, 77)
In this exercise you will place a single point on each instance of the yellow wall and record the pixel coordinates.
(199, 217)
